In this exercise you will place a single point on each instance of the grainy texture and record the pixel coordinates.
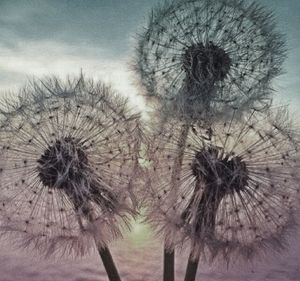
(202, 57)
(142, 262)
(69, 153)
(236, 190)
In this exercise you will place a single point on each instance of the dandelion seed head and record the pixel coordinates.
(203, 57)
(232, 174)
(230, 191)
(69, 157)
(205, 63)
(62, 163)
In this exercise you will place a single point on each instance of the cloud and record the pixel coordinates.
(44, 58)
(106, 23)
(62, 37)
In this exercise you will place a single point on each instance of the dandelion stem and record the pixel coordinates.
(169, 259)
(169, 255)
(191, 270)
(178, 160)
(109, 264)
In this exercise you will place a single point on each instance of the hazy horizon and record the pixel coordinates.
(64, 37)
(52, 37)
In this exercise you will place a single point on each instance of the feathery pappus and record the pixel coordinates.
(230, 190)
(201, 57)
(69, 157)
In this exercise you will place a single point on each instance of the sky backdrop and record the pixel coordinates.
(63, 37)
(60, 37)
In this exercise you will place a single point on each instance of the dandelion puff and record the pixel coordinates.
(202, 57)
(69, 157)
(230, 191)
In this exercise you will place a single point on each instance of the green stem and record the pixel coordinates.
(191, 271)
(109, 264)
(169, 259)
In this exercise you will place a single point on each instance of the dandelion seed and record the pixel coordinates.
(68, 161)
(230, 191)
(201, 57)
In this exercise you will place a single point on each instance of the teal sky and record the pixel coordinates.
(62, 37)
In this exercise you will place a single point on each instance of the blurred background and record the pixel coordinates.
(61, 37)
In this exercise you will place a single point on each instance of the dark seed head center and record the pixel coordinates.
(218, 175)
(206, 63)
(221, 173)
(63, 164)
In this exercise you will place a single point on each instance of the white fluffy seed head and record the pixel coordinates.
(230, 190)
(69, 158)
(202, 57)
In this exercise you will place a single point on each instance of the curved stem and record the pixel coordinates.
(109, 264)
(169, 255)
(103, 250)
(169, 260)
(181, 145)
(191, 270)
